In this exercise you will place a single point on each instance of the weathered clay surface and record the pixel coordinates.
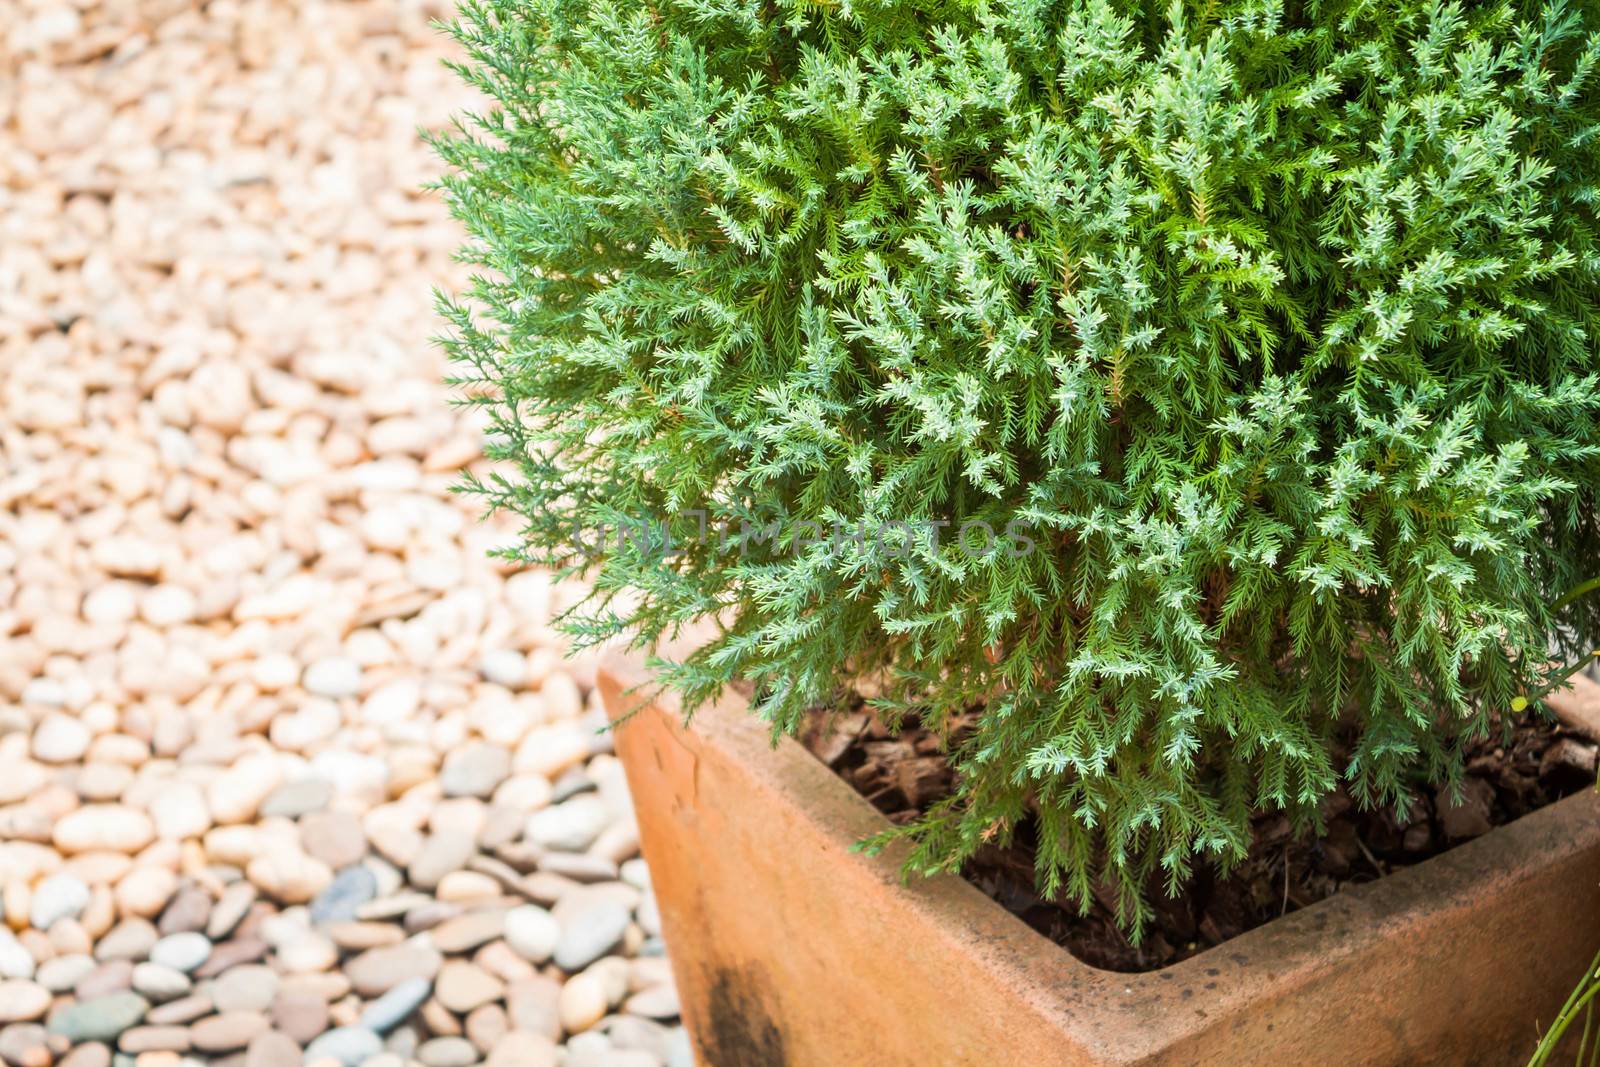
(793, 951)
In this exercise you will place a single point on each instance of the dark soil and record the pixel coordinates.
(903, 775)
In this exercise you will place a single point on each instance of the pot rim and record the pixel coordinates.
(1127, 1015)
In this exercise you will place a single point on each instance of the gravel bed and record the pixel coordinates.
(290, 770)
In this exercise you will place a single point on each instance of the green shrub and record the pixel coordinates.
(1261, 335)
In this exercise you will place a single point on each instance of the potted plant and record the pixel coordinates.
(1182, 416)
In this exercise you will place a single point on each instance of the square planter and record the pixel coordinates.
(791, 950)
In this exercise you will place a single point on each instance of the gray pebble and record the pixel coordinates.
(347, 1044)
(350, 888)
(395, 1006)
(592, 933)
(101, 1019)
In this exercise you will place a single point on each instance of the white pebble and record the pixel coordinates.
(532, 932)
(60, 739)
(61, 896)
(334, 677)
(504, 666)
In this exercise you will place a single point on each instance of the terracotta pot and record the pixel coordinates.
(791, 950)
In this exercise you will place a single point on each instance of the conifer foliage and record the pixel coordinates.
(1196, 401)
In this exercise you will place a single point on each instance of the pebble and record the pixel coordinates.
(344, 895)
(236, 796)
(583, 1002)
(112, 827)
(227, 954)
(466, 886)
(575, 781)
(534, 1005)
(60, 973)
(334, 677)
(348, 1045)
(519, 1049)
(429, 915)
(145, 891)
(168, 605)
(463, 986)
(187, 911)
(182, 951)
(160, 983)
(103, 781)
(358, 936)
(22, 1001)
(289, 875)
(504, 666)
(591, 934)
(648, 913)
(141, 1039)
(24, 1045)
(250, 987)
(571, 825)
(532, 931)
(307, 954)
(92, 1054)
(657, 1002)
(227, 1032)
(230, 909)
(467, 932)
(377, 971)
(113, 977)
(474, 769)
(579, 867)
(632, 1032)
(300, 1015)
(394, 906)
(397, 1005)
(100, 1018)
(523, 793)
(447, 1052)
(60, 896)
(272, 1049)
(183, 1010)
(299, 797)
(486, 1025)
(60, 738)
(334, 837)
(391, 703)
(257, 642)
(441, 854)
(15, 960)
(130, 939)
